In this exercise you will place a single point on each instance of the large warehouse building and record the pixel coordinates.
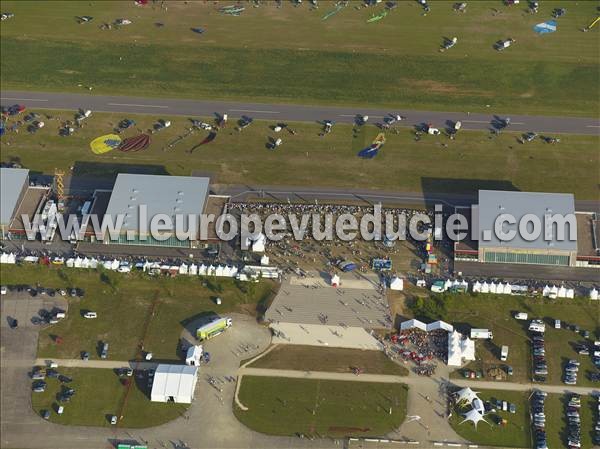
(580, 251)
(18, 198)
(169, 195)
(541, 251)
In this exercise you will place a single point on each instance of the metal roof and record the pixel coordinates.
(11, 184)
(493, 203)
(160, 194)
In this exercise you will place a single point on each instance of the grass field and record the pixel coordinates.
(308, 159)
(280, 406)
(517, 433)
(98, 394)
(123, 304)
(339, 360)
(290, 55)
(496, 313)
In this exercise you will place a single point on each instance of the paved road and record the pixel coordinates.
(415, 382)
(283, 112)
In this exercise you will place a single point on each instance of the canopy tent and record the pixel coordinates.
(493, 288)
(193, 269)
(466, 395)
(570, 293)
(264, 260)
(476, 287)
(258, 245)
(436, 325)
(70, 262)
(507, 289)
(412, 324)
(485, 287)
(335, 280)
(546, 291)
(397, 284)
(594, 294)
(183, 269)
(478, 406)
(474, 416)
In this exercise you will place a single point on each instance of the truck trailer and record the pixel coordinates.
(214, 328)
(504, 353)
(484, 334)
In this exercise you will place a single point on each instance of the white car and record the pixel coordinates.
(3, 290)
(90, 315)
(124, 268)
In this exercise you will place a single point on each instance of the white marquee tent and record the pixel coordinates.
(174, 383)
(397, 284)
(460, 349)
(594, 294)
(474, 416)
(465, 395)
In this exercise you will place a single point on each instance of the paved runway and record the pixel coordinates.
(284, 112)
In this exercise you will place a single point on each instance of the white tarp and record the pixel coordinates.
(174, 383)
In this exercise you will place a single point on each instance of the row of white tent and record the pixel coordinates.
(460, 350)
(499, 288)
(558, 292)
(416, 324)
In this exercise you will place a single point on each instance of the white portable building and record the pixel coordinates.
(193, 355)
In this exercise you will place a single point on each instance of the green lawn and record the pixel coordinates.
(517, 431)
(123, 303)
(340, 360)
(496, 313)
(470, 162)
(291, 55)
(556, 421)
(281, 406)
(99, 393)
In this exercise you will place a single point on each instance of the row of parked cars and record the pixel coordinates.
(571, 370)
(538, 419)
(573, 433)
(37, 290)
(540, 366)
(596, 433)
(40, 374)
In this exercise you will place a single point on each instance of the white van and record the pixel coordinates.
(60, 315)
(60, 410)
(520, 316)
(556, 324)
(51, 364)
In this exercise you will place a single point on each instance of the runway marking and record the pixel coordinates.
(22, 99)
(256, 112)
(592, 126)
(139, 105)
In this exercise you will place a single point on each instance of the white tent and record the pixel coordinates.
(464, 285)
(115, 264)
(78, 262)
(474, 416)
(335, 280)
(70, 263)
(264, 260)
(594, 294)
(174, 383)
(93, 263)
(485, 287)
(447, 284)
(219, 271)
(553, 292)
(466, 395)
(183, 269)
(562, 292)
(258, 245)
(28, 259)
(397, 284)
(570, 293)
(493, 288)
(227, 271)
(107, 264)
(411, 324)
(460, 349)
(85, 263)
(507, 289)
(193, 270)
(211, 270)
(476, 287)
(436, 325)
(234, 272)
(202, 270)
(193, 355)
(546, 291)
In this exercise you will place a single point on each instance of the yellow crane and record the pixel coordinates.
(59, 186)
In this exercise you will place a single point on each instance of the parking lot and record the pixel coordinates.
(23, 307)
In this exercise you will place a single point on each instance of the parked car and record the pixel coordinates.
(45, 414)
(90, 315)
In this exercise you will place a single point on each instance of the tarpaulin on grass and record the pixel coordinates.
(104, 144)
(136, 143)
(545, 27)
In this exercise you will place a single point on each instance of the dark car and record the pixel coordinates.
(85, 355)
(73, 292)
(65, 379)
(51, 373)
(45, 414)
(63, 398)
(13, 323)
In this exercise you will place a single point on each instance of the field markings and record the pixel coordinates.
(254, 111)
(139, 105)
(21, 99)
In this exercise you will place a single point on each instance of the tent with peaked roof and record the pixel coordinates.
(411, 324)
(397, 283)
(474, 416)
(476, 287)
(193, 270)
(335, 280)
(594, 294)
(466, 395)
